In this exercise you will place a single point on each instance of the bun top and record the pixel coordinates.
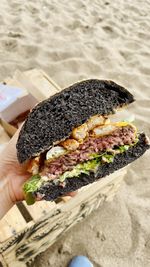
(54, 118)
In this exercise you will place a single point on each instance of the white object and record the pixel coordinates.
(14, 101)
(8, 95)
(55, 152)
(122, 115)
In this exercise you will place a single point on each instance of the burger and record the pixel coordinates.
(76, 137)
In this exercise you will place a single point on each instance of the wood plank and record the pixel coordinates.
(12, 223)
(103, 186)
(13, 263)
(40, 209)
(10, 129)
(13, 82)
(39, 77)
(45, 231)
(60, 219)
(4, 138)
(2, 262)
(38, 85)
(26, 83)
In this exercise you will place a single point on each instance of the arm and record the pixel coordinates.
(12, 177)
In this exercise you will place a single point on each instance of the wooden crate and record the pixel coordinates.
(25, 231)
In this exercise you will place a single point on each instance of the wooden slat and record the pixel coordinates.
(4, 138)
(13, 82)
(13, 263)
(39, 78)
(2, 261)
(103, 186)
(58, 220)
(12, 223)
(10, 129)
(39, 209)
(33, 82)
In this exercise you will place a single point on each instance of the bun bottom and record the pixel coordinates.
(52, 192)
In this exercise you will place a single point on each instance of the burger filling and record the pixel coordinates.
(90, 145)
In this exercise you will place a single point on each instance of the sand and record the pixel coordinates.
(73, 40)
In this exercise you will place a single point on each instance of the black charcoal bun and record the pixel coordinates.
(52, 192)
(54, 118)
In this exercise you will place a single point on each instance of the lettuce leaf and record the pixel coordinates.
(32, 184)
(123, 148)
(108, 157)
(29, 198)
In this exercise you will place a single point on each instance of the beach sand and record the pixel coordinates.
(71, 41)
